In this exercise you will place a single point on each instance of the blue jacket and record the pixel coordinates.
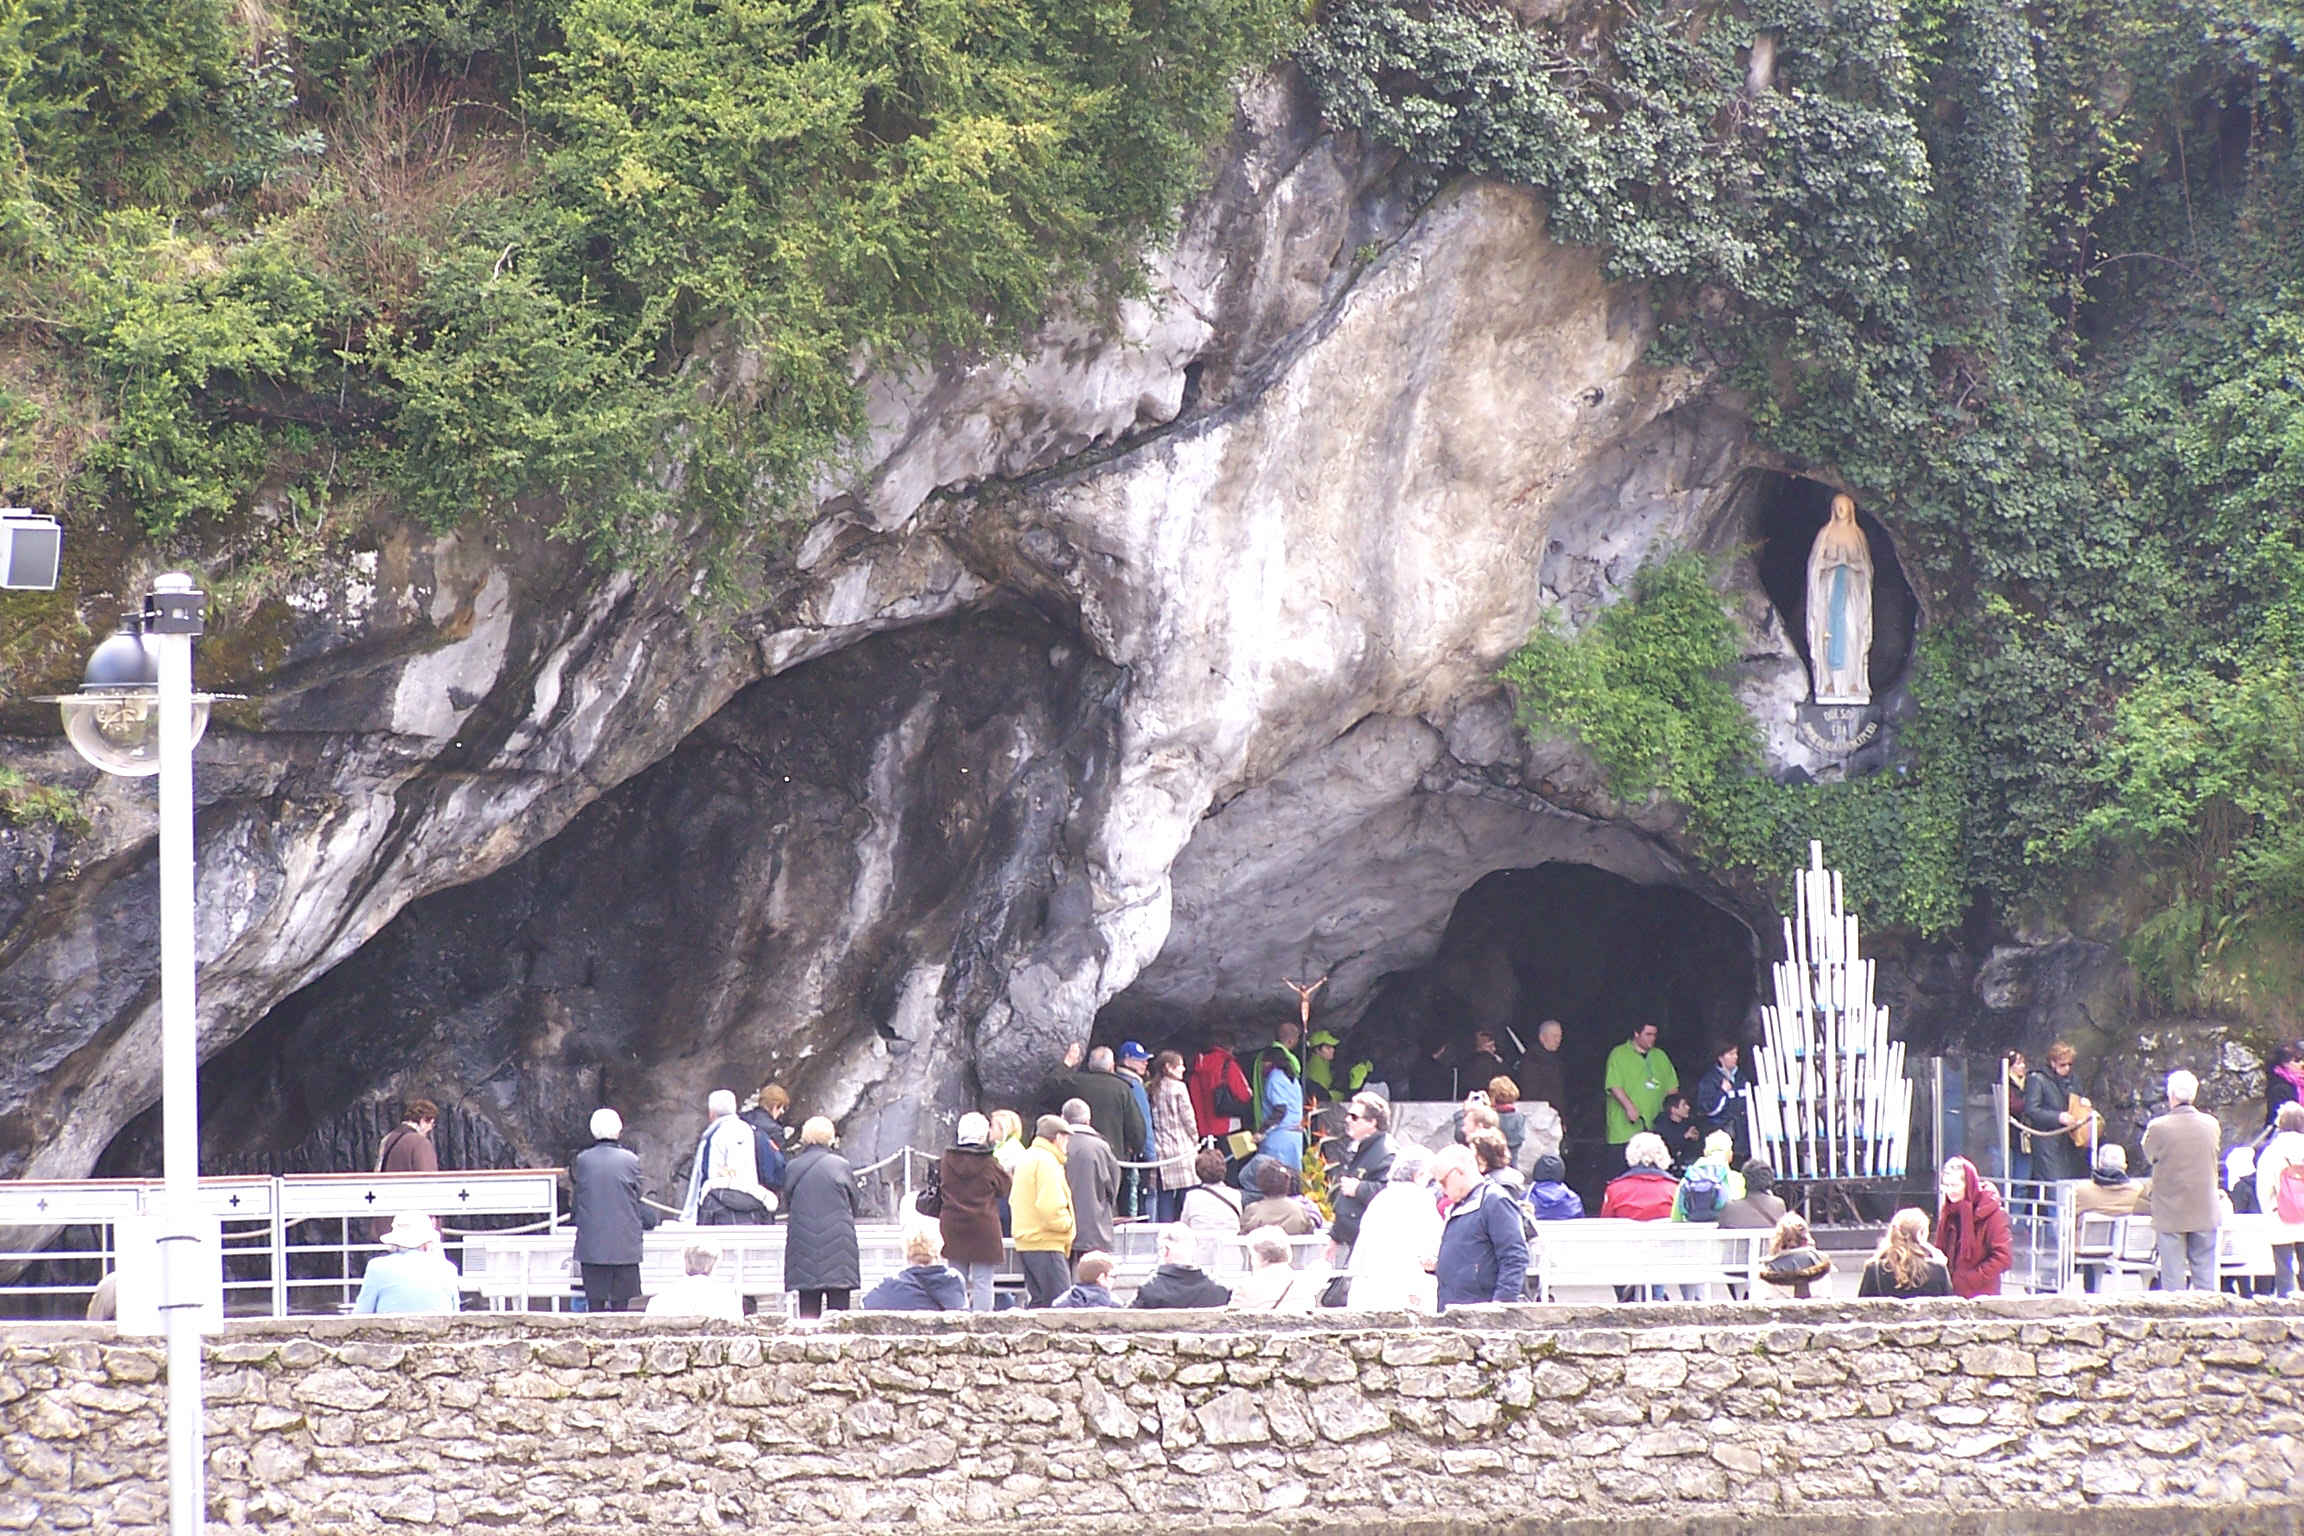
(1483, 1256)
(411, 1280)
(922, 1288)
(1555, 1202)
(1142, 1153)
(1283, 1097)
(1085, 1295)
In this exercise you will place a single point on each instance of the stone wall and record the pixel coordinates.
(2161, 1414)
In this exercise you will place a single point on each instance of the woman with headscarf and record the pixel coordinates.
(2283, 1080)
(1972, 1231)
(973, 1186)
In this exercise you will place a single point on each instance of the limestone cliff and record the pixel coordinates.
(1131, 674)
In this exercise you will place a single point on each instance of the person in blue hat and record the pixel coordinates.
(1135, 1188)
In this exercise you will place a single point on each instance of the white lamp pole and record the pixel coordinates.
(170, 626)
(137, 715)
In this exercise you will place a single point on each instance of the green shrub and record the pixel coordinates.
(182, 334)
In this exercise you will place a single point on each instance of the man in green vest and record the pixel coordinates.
(1321, 1072)
(1638, 1077)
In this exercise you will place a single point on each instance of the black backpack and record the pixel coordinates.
(767, 1149)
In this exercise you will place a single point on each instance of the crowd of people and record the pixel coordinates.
(1223, 1152)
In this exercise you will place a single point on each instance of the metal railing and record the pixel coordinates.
(2043, 1225)
(286, 1244)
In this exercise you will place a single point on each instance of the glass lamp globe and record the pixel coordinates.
(114, 720)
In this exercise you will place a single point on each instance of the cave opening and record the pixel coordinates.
(1572, 942)
(1787, 513)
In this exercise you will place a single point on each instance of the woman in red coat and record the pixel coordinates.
(1644, 1190)
(1972, 1231)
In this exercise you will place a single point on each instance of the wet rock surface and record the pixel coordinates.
(1126, 677)
(823, 884)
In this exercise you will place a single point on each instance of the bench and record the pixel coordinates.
(2127, 1246)
(1614, 1251)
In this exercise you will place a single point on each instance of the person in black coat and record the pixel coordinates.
(2047, 1098)
(1179, 1282)
(609, 1213)
(927, 1285)
(1361, 1175)
(1111, 1102)
(821, 1261)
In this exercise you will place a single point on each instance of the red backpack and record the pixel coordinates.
(2288, 1195)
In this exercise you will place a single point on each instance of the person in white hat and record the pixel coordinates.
(610, 1214)
(412, 1275)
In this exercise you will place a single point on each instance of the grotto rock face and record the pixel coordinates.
(841, 859)
(1133, 674)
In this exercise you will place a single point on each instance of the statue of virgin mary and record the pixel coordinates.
(1840, 609)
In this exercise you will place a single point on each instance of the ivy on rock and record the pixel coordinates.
(2023, 275)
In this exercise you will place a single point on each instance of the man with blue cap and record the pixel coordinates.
(1134, 1060)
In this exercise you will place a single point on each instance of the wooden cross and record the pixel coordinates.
(1304, 991)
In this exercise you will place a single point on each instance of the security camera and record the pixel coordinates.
(31, 549)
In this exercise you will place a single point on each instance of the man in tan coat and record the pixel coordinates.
(2181, 1146)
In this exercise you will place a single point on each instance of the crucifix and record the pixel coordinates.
(1304, 991)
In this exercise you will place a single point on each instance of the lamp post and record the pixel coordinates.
(136, 715)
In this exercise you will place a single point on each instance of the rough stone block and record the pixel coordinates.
(1998, 1360)
(1345, 1413)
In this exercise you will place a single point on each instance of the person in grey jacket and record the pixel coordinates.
(821, 1259)
(2181, 1146)
(609, 1213)
(1092, 1169)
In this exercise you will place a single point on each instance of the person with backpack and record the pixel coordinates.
(724, 1180)
(1709, 1185)
(1219, 1090)
(2280, 1191)
(771, 1137)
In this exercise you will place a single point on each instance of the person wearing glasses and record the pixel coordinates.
(1367, 1120)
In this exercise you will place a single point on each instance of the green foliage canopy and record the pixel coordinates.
(626, 259)
(2027, 278)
